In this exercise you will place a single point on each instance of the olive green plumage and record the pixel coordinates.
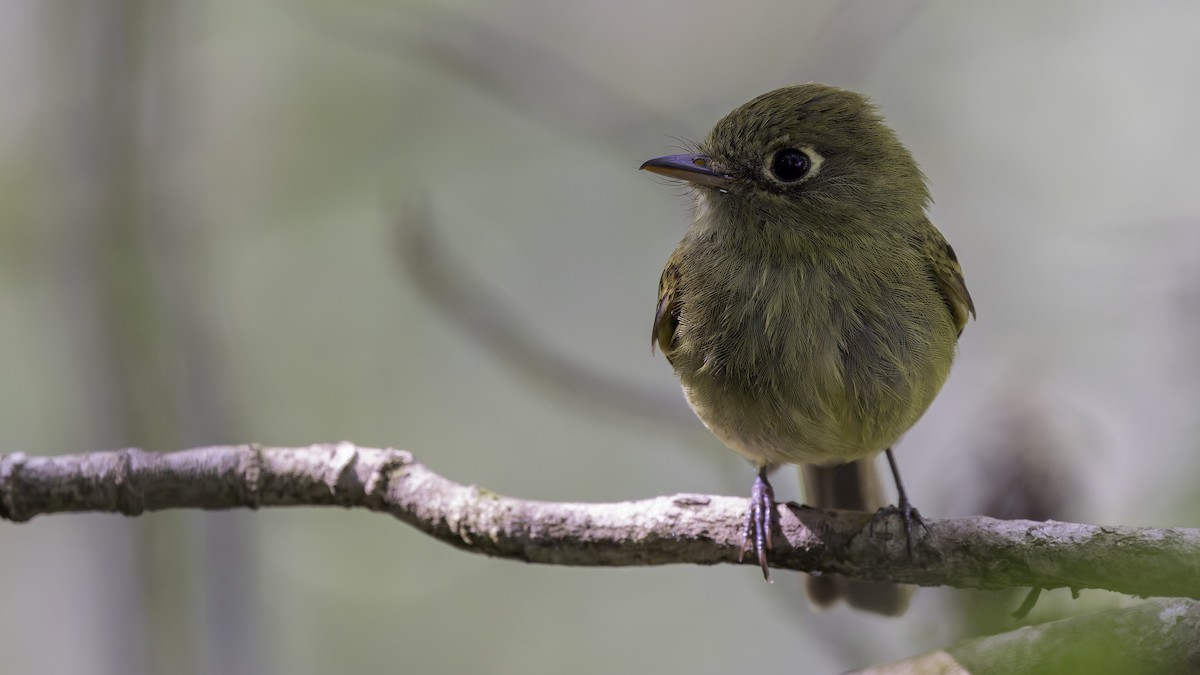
(812, 310)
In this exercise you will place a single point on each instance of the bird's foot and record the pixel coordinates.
(905, 508)
(757, 532)
(909, 514)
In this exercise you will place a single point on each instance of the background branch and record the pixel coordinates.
(455, 290)
(1160, 636)
(700, 529)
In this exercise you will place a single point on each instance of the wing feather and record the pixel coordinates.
(948, 276)
(666, 315)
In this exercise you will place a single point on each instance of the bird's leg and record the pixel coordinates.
(906, 509)
(757, 532)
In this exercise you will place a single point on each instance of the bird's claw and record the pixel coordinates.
(905, 508)
(909, 514)
(757, 532)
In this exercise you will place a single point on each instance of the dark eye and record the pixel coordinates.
(790, 165)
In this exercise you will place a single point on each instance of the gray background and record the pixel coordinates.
(197, 245)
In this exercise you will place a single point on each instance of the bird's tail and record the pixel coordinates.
(853, 487)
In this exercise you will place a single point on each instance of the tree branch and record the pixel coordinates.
(1159, 636)
(699, 529)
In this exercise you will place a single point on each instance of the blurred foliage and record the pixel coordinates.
(197, 228)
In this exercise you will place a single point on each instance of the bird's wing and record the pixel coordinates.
(666, 315)
(947, 274)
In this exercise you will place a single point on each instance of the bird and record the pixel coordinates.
(811, 311)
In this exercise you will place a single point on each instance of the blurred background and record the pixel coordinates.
(421, 225)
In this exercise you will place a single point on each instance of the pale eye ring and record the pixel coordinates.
(790, 165)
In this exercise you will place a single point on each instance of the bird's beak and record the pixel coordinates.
(695, 169)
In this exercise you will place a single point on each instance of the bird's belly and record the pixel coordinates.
(765, 430)
(818, 405)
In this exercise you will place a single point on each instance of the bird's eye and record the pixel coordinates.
(790, 165)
